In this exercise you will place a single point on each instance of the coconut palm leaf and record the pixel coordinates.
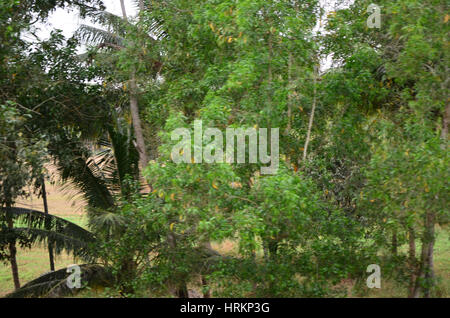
(41, 228)
(116, 24)
(126, 155)
(96, 36)
(54, 284)
(80, 171)
(59, 241)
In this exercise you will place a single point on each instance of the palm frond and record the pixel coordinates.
(99, 37)
(60, 242)
(40, 220)
(79, 171)
(106, 222)
(41, 228)
(54, 284)
(125, 153)
(110, 21)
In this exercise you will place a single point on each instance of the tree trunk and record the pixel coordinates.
(425, 276)
(394, 244)
(124, 12)
(137, 126)
(12, 251)
(412, 263)
(50, 245)
(134, 109)
(207, 293)
(127, 273)
(311, 117)
(181, 291)
(445, 121)
(428, 261)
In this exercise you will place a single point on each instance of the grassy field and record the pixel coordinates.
(34, 262)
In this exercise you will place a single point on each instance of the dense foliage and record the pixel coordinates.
(363, 144)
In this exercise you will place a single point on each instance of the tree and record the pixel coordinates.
(22, 157)
(116, 44)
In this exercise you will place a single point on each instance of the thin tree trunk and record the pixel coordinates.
(445, 118)
(425, 276)
(134, 108)
(181, 289)
(429, 262)
(143, 159)
(311, 117)
(12, 251)
(289, 110)
(412, 263)
(394, 243)
(207, 293)
(124, 12)
(50, 246)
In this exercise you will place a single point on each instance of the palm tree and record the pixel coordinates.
(99, 177)
(36, 227)
(114, 38)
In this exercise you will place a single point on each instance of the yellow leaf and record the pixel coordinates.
(235, 185)
(447, 17)
(161, 194)
(230, 39)
(372, 200)
(215, 186)
(211, 26)
(172, 196)
(171, 226)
